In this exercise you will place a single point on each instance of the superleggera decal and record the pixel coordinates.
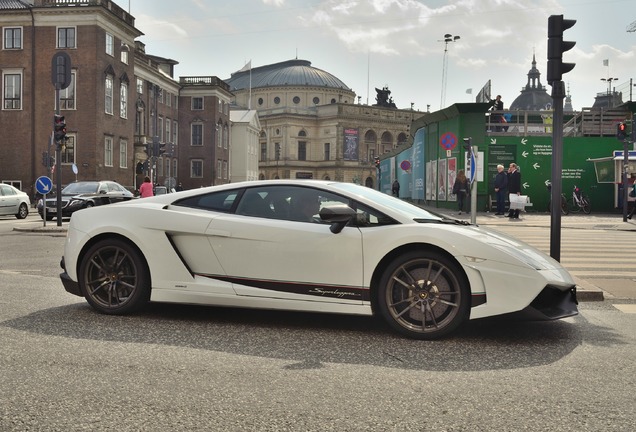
(333, 291)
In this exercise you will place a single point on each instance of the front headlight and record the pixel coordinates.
(75, 203)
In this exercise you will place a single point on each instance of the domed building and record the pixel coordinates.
(311, 126)
(534, 96)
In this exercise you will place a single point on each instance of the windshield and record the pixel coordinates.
(404, 207)
(80, 188)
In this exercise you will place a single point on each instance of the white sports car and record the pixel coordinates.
(306, 245)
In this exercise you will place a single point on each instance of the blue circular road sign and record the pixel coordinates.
(43, 185)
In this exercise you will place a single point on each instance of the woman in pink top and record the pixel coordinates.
(145, 190)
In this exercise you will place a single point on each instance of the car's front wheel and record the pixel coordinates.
(424, 295)
(114, 277)
(23, 211)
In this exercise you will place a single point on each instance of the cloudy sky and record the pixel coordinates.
(398, 43)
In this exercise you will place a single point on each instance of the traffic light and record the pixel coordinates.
(376, 160)
(59, 128)
(468, 145)
(148, 150)
(161, 149)
(557, 46)
(621, 131)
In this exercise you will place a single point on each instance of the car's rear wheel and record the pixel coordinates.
(114, 277)
(23, 211)
(424, 295)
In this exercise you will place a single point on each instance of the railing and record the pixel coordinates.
(107, 4)
(588, 122)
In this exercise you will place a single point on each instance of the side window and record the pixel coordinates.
(216, 201)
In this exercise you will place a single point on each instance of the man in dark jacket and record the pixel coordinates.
(396, 188)
(501, 183)
(514, 188)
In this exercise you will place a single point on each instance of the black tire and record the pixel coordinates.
(23, 211)
(565, 209)
(424, 295)
(114, 277)
(587, 207)
(89, 204)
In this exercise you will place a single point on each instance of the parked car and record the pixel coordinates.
(84, 194)
(306, 245)
(161, 190)
(13, 202)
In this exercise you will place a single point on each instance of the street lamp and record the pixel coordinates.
(609, 84)
(447, 39)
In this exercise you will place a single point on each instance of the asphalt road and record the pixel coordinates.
(64, 367)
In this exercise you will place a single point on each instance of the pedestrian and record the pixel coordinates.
(396, 188)
(145, 190)
(501, 183)
(179, 187)
(497, 105)
(514, 188)
(460, 189)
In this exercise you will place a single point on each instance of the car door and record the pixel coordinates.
(276, 255)
(9, 200)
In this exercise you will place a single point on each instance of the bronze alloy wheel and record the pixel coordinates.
(424, 295)
(114, 277)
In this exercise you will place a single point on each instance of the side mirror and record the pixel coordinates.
(338, 216)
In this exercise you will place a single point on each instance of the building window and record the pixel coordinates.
(12, 93)
(327, 151)
(110, 44)
(302, 150)
(276, 100)
(174, 168)
(219, 135)
(226, 137)
(168, 123)
(197, 103)
(108, 152)
(67, 95)
(123, 100)
(296, 100)
(123, 57)
(316, 101)
(168, 98)
(196, 168)
(108, 107)
(66, 37)
(140, 86)
(68, 150)
(196, 135)
(123, 154)
(175, 130)
(13, 38)
(219, 168)
(260, 101)
(263, 152)
(225, 173)
(159, 130)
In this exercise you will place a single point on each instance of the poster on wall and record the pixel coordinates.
(452, 175)
(441, 182)
(418, 168)
(429, 182)
(351, 144)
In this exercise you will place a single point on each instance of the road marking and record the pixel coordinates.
(626, 308)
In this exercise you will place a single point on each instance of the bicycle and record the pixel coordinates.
(578, 202)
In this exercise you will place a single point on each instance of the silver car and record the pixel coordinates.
(13, 202)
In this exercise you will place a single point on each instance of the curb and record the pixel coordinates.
(586, 291)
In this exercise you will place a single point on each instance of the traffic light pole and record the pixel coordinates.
(58, 164)
(558, 94)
